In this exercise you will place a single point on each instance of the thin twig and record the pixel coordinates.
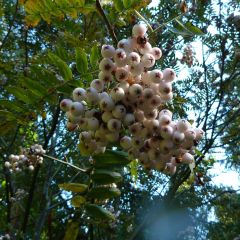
(140, 16)
(67, 163)
(109, 26)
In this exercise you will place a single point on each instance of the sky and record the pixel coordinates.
(220, 175)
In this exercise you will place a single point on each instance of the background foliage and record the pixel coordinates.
(50, 47)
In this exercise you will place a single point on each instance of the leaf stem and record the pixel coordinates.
(164, 24)
(140, 16)
(67, 163)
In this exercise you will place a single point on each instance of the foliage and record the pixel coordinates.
(50, 47)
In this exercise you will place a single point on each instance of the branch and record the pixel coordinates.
(36, 171)
(109, 26)
(10, 27)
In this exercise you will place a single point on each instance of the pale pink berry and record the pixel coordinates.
(165, 87)
(106, 104)
(183, 125)
(105, 77)
(135, 90)
(120, 58)
(187, 158)
(129, 119)
(156, 76)
(190, 134)
(167, 97)
(125, 44)
(146, 48)
(147, 93)
(199, 134)
(92, 95)
(106, 116)
(136, 69)
(121, 74)
(65, 104)
(133, 59)
(178, 137)
(139, 30)
(117, 94)
(79, 94)
(92, 123)
(97, 84)
(77, 109)
(126, 142)
(169, 75)
(119, 111)
(114, 125)
(148, 60)
(106, 65)
(156, 52)
(166, 131)
(166, 112)
(107, 51)
(164, 120)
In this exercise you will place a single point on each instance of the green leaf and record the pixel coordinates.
(78, 201)
(72, 231)
(133, 170)
(7, 126)
(81, 3)
(111, 159)
(176, 31)
(23, 94)
(3, 184)
(88, 8)
(198, 153)
(74, 187)
(194, 29)
(7, 115)
(81, 60)
(98, 212)
(118, 4)
(103, 176)
(35, 87)
(62, 53)
(127, 3)
(61, 65)
(94, 57)
(12, 105)
(102, 193)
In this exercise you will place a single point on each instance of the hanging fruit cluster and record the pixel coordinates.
(29, 158)
(126, 106)
(188, 55)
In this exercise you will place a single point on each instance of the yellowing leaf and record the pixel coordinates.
(32, 20)
(74, 187)
(78, 201)
(72, 231)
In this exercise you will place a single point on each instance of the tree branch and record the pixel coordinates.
(109, 26)
(36, 171)
(10, 27)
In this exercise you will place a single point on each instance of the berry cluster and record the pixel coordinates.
(29, 158)
(188, 56)
(126, 106)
